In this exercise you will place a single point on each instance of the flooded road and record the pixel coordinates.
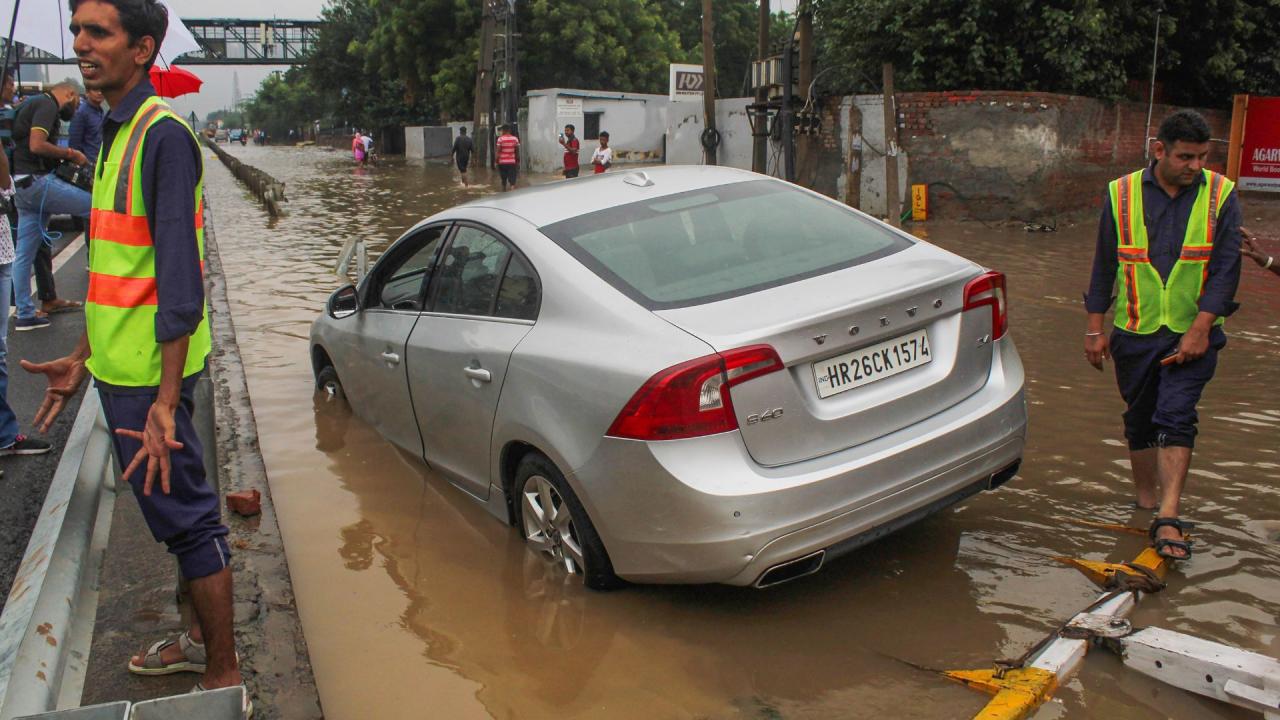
(417, 603)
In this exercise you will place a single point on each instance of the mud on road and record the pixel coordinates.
(414, 601)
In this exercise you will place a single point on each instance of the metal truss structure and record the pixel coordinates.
(227, 41)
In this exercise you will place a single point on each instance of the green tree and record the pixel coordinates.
(1210, 49)
(604, 45)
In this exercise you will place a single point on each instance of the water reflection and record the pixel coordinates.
(415, 601)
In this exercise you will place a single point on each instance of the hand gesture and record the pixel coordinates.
(1249, 247)
(1096, 349)
(157, 440)
(65, 376)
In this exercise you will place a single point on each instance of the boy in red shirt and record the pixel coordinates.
(571, 146)
(508, 158)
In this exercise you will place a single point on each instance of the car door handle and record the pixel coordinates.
(476, 373)
(391, 358)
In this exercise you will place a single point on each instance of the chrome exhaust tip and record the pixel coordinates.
(792, 569)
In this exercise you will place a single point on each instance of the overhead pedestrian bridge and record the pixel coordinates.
(229, 41)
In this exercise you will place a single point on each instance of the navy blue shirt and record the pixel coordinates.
(171, 167)
(85, 133)
(1166, 220)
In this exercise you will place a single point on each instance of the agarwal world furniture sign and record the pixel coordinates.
(1260, 149)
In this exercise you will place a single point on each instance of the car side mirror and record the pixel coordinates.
(344, 301)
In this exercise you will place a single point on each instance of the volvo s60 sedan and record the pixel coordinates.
(683, 375)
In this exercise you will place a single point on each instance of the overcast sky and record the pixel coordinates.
(218, 80)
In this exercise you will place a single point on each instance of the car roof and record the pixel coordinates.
(552, 202)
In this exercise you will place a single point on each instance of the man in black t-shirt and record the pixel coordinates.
(40, 194)
(461, 152)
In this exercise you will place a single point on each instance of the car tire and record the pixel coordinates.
(573, 544)
(327, 382)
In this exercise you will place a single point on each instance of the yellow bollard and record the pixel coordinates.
(919, 203)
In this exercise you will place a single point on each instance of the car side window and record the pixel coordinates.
(518, 295)
(469, 273)
(400, 284)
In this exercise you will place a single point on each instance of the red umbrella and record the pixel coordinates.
(174, 81)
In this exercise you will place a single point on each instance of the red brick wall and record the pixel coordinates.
(1087, 142)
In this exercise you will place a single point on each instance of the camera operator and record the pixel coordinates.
(40, 192)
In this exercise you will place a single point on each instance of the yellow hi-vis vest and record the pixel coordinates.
(1146, 303)
(120, 314)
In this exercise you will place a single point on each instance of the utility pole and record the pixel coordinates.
(891, 150)
(482, 135)
(760, 141)
(804, 38)
(708, 85)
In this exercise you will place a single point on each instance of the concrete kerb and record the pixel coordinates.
(47, 625)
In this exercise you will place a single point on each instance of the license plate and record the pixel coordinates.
(867, 365)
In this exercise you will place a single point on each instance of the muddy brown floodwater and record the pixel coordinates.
(416, 603)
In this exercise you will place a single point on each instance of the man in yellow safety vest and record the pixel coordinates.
(1171, 232)
(147, 329)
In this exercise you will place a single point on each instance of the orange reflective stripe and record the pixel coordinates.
(125, 183)
(119, 228)
(122, 292)
(1196, 253)
(1216, 186)
(1132, 254)
(1131, 293)
(1126, 232)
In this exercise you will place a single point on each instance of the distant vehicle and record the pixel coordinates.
(220, 135)
(685, 375)
(234, 135)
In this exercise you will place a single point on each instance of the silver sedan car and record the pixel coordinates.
(683, 375)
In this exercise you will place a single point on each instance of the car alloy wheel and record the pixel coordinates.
(548, 524)
(328, 383)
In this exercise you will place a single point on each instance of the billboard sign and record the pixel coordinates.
(1260, 149)
(686, 82)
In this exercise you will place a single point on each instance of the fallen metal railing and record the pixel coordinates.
(47, 625)
(1234, 676)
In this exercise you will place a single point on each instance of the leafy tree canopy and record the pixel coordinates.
(1209, 50)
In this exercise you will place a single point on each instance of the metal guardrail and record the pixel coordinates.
(222, 704)
(47, 624)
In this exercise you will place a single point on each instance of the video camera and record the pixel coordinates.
(79, 175)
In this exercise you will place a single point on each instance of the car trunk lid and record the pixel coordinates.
(828, 326)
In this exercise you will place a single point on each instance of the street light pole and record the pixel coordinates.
(708, 83)
(1151, 99)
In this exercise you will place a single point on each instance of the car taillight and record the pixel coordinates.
(987, 290)
(692, 399)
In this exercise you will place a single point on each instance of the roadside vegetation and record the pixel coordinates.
(389, 62)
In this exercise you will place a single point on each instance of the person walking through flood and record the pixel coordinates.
(1249, 247)
(602, 158)
(357, 148)
(508, 158)
(1171, 232)
(147, 334)
(461, 153)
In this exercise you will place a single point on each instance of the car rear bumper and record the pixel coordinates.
(701, 510)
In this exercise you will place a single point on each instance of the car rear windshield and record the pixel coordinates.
(720, 242)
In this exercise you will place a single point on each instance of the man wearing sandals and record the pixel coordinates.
(147, 330)
(1171, 232)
